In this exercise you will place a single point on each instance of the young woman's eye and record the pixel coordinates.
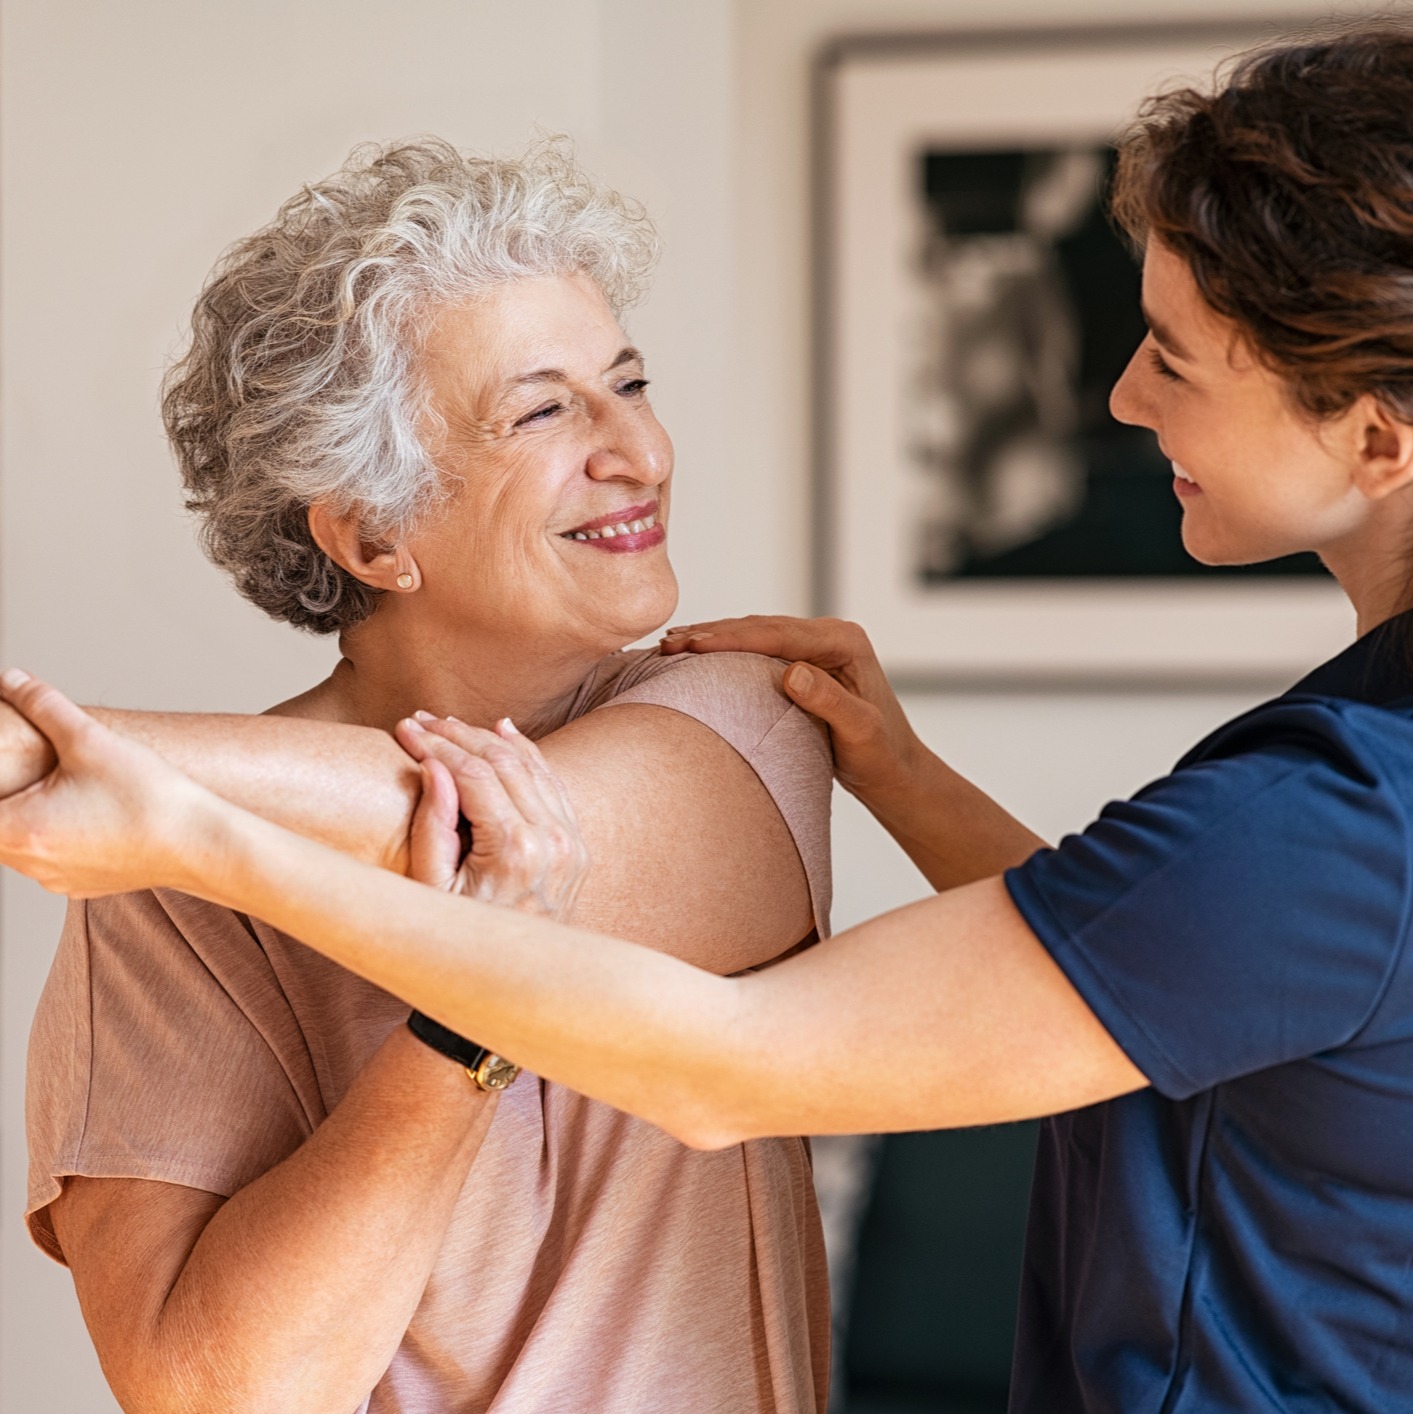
(539, 415)
(1163, 368)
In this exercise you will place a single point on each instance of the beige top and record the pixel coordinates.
(616, 1270)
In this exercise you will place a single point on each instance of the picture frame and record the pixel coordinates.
(977, 508)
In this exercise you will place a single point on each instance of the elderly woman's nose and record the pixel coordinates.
(637, 448)
(615, 464)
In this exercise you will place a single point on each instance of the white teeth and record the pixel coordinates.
(608, 532)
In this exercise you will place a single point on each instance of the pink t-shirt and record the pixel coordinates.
(592, 1263)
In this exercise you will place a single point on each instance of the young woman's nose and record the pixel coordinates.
(1129, 400)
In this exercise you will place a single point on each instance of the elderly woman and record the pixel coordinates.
(1209, 991)
(409, 416)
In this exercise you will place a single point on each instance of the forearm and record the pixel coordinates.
(615, 1020)
(300, 1288)
(954, 832)
(967, 1017)
(352, 788)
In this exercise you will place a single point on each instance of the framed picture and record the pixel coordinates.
(980, 511)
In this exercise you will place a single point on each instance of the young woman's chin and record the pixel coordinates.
(1216, 549)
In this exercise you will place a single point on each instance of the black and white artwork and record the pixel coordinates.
(986, 515)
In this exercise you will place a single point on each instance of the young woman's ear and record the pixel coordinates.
(340, 538)
(1382, 448)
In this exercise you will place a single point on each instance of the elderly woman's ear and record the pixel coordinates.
(340, 537)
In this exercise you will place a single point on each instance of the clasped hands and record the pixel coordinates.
(113, 816)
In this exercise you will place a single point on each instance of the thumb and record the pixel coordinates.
(849, 718)
(434, 844)
(46, 708)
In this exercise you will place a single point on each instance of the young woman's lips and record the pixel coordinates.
(1183, 484)
(623, 533)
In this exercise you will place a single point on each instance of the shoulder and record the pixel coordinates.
(1249, 909)
(1298, 776)
(1309, 729)
(1292, 817)
(738, 695)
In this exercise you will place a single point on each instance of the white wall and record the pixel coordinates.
(139, 138)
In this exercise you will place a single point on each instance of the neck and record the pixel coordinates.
(1374, 570)
(393, 665)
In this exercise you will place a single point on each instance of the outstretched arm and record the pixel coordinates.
(949, 1012)
(352, 788)
(690, 852)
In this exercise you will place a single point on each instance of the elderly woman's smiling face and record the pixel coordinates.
(555, 528)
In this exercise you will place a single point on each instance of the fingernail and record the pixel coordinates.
(457, 720)
(800, 677)
(412, 724)
(423, 716)
(14, 677)
(509, 727)
(697, 637)
(674, 632)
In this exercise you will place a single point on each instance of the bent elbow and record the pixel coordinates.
(709, 1128)
(710, 1140)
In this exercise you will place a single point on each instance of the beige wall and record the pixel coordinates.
(141, 137)
(138, 138)
(1053, 759)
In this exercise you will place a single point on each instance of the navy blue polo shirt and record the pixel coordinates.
(1239, 1236)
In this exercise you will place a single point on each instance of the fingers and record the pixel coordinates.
(526, 849)
(849, 718)
(830, 643)
(434, 842)
(479, 786)
(550, 783)
(64, 723)
(519, 774)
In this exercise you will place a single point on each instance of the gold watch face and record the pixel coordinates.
(495, 1073)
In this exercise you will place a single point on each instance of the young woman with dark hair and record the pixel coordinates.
(1209, 990)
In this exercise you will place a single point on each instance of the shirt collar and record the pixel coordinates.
(1376, 668)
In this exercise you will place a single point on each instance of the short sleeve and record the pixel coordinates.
(739, 697)
(1246, 911)
(161, 1049)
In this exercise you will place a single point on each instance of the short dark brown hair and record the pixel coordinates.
(1289, 193)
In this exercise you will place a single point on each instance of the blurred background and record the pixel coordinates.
(139, 139)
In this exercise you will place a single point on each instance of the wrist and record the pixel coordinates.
(906, 772)
(204, 844)
(25, 753)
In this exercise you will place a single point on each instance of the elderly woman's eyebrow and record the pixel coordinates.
(558, 375)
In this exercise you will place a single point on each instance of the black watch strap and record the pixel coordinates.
(488, 1070)
(439, 1038)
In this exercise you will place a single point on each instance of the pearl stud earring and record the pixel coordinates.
(404, 580)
